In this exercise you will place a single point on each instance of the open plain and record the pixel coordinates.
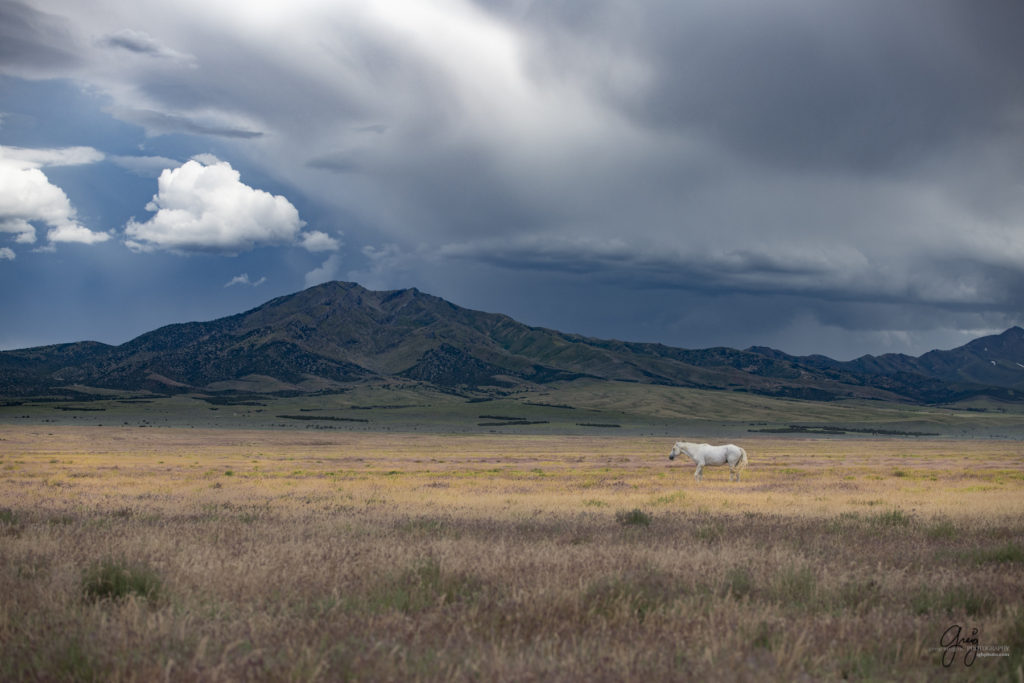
(290, 554)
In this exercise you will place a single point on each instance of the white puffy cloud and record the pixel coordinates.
(63, 156)
(6, 254)
(315, 240)
(204, 206)
(72, 232)
(243, 279)
(27, 196)
(25, 231)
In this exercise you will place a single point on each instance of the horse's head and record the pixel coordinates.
(676, 450)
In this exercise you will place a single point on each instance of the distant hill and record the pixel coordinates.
(329, 337)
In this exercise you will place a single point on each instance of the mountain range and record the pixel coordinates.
(331, 336)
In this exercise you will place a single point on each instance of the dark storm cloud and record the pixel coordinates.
(799, 163)
(140, 43)
(816, 160)
(863, 86)
(336, 163)
(133, 43)
(830, 277)
(30, 38)
(816, 93)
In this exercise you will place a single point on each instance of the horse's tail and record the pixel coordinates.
(743, 459)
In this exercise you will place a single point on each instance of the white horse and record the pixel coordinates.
(706, 454)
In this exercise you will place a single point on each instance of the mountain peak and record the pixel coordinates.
(1009, 339)
(338, 333)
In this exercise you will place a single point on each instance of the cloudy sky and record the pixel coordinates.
(821, 176)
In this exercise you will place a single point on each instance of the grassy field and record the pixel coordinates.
(291, 554)
(579, 407)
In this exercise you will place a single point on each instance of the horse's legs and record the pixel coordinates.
(699, 474)
(733, 474)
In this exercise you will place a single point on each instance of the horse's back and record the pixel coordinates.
(731, 454)
(716, 455)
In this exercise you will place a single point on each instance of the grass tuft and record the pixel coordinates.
(941, 529)
(1007, 553)
(710, 532)
(893, 518)
(1014, 664)
(669, 499)
(72, 661)
(634, 517)
(797, 587)
(420, 588)
(635, 595)
(738, 582)
(953, 600)
(113, 580)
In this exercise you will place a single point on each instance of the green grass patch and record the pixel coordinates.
(952, 600)
(421, 587)
(860, 665)
(634, 517)
(1015, 639)
(709, 532)
(854, 595)
(1005, 553)
(844, 521)
(794, 587)
(738, 581)
(894, 518)
(71, 660)
(669, 499)
(765, 635)
(113, 580)
(635, 594)
(941, 529)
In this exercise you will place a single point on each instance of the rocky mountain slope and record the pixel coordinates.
(330, 336)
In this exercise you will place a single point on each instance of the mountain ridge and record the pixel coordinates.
(331, 336)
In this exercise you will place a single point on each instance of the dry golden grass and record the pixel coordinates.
(286, 555)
